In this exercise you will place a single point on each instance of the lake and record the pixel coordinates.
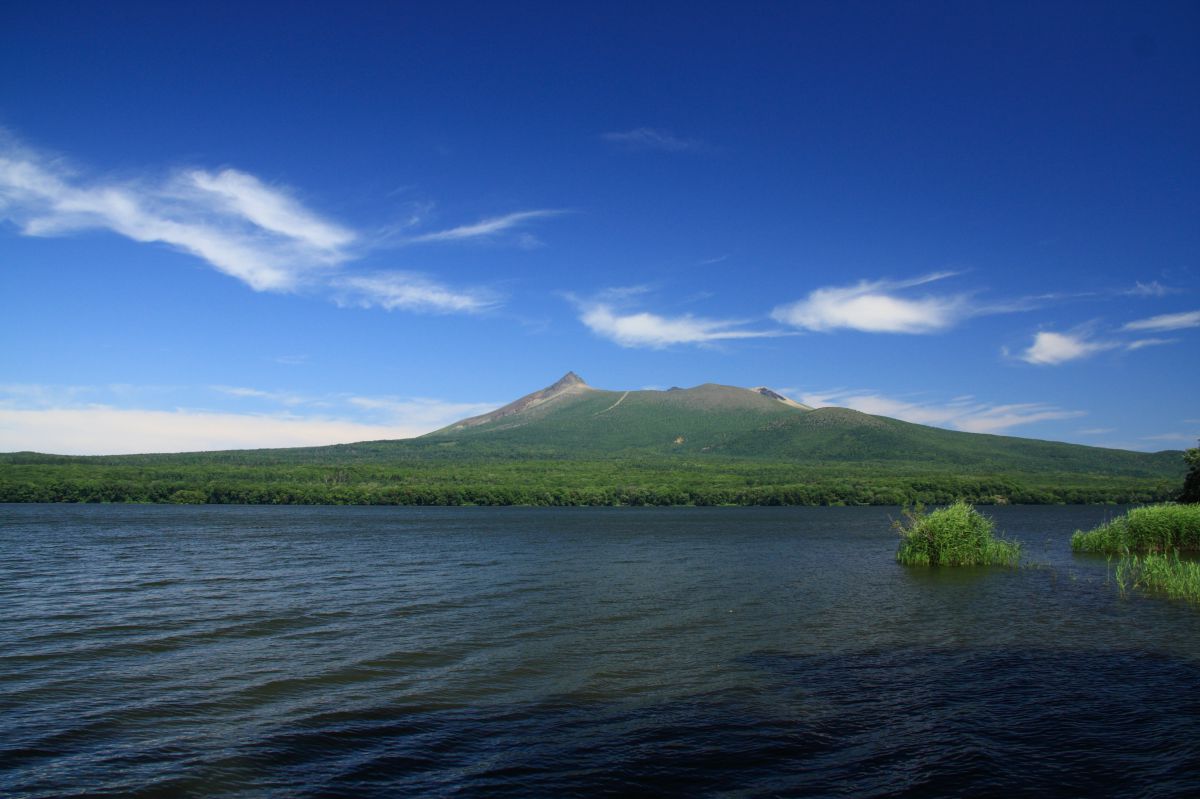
(334, 651)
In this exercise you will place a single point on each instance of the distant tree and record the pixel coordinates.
(1191, 483)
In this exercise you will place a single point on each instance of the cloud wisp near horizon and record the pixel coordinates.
(100, 420)
(967, 414)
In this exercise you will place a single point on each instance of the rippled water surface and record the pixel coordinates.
(262, 651)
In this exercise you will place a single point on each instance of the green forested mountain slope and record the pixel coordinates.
(712, 420)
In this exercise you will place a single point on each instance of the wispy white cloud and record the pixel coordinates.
(877, 307)
(1096, 431)
(270, 209)
(1165, 322)
(1149, 342)
(643, 329)
(260, 234)
(409, 291)
(960, 414)
(484, 228)
(635, 329)
(1051, 349)
(1151, 289)
(653, 139)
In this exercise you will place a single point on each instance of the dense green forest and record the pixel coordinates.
(616, 481)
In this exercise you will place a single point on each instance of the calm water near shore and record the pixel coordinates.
(301, 651)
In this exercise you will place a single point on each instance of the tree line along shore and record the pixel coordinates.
(554, 482)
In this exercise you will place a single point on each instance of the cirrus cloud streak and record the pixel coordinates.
(1165, 322)
(966, 414)
(653, 139)
(484, 228)
(409, 291)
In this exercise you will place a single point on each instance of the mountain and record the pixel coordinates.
(572, 419)
(573, 444)
(569, 385)
(575, 418)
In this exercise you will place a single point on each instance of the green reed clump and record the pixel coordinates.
(957, 535)
(1154, 528)
(1167, 574)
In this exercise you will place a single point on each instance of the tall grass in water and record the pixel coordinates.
(1168, 574)
(955, 536)
(1149, 541)
(1154, 528)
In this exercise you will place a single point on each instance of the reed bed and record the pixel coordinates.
(1151, 529)
(957, 535)
(1166, 574)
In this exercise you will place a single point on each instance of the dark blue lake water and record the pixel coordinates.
(294, 651)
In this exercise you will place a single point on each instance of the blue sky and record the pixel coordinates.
(307, 224)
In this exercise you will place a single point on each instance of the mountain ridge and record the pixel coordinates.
(706, 396)
(570, 418)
